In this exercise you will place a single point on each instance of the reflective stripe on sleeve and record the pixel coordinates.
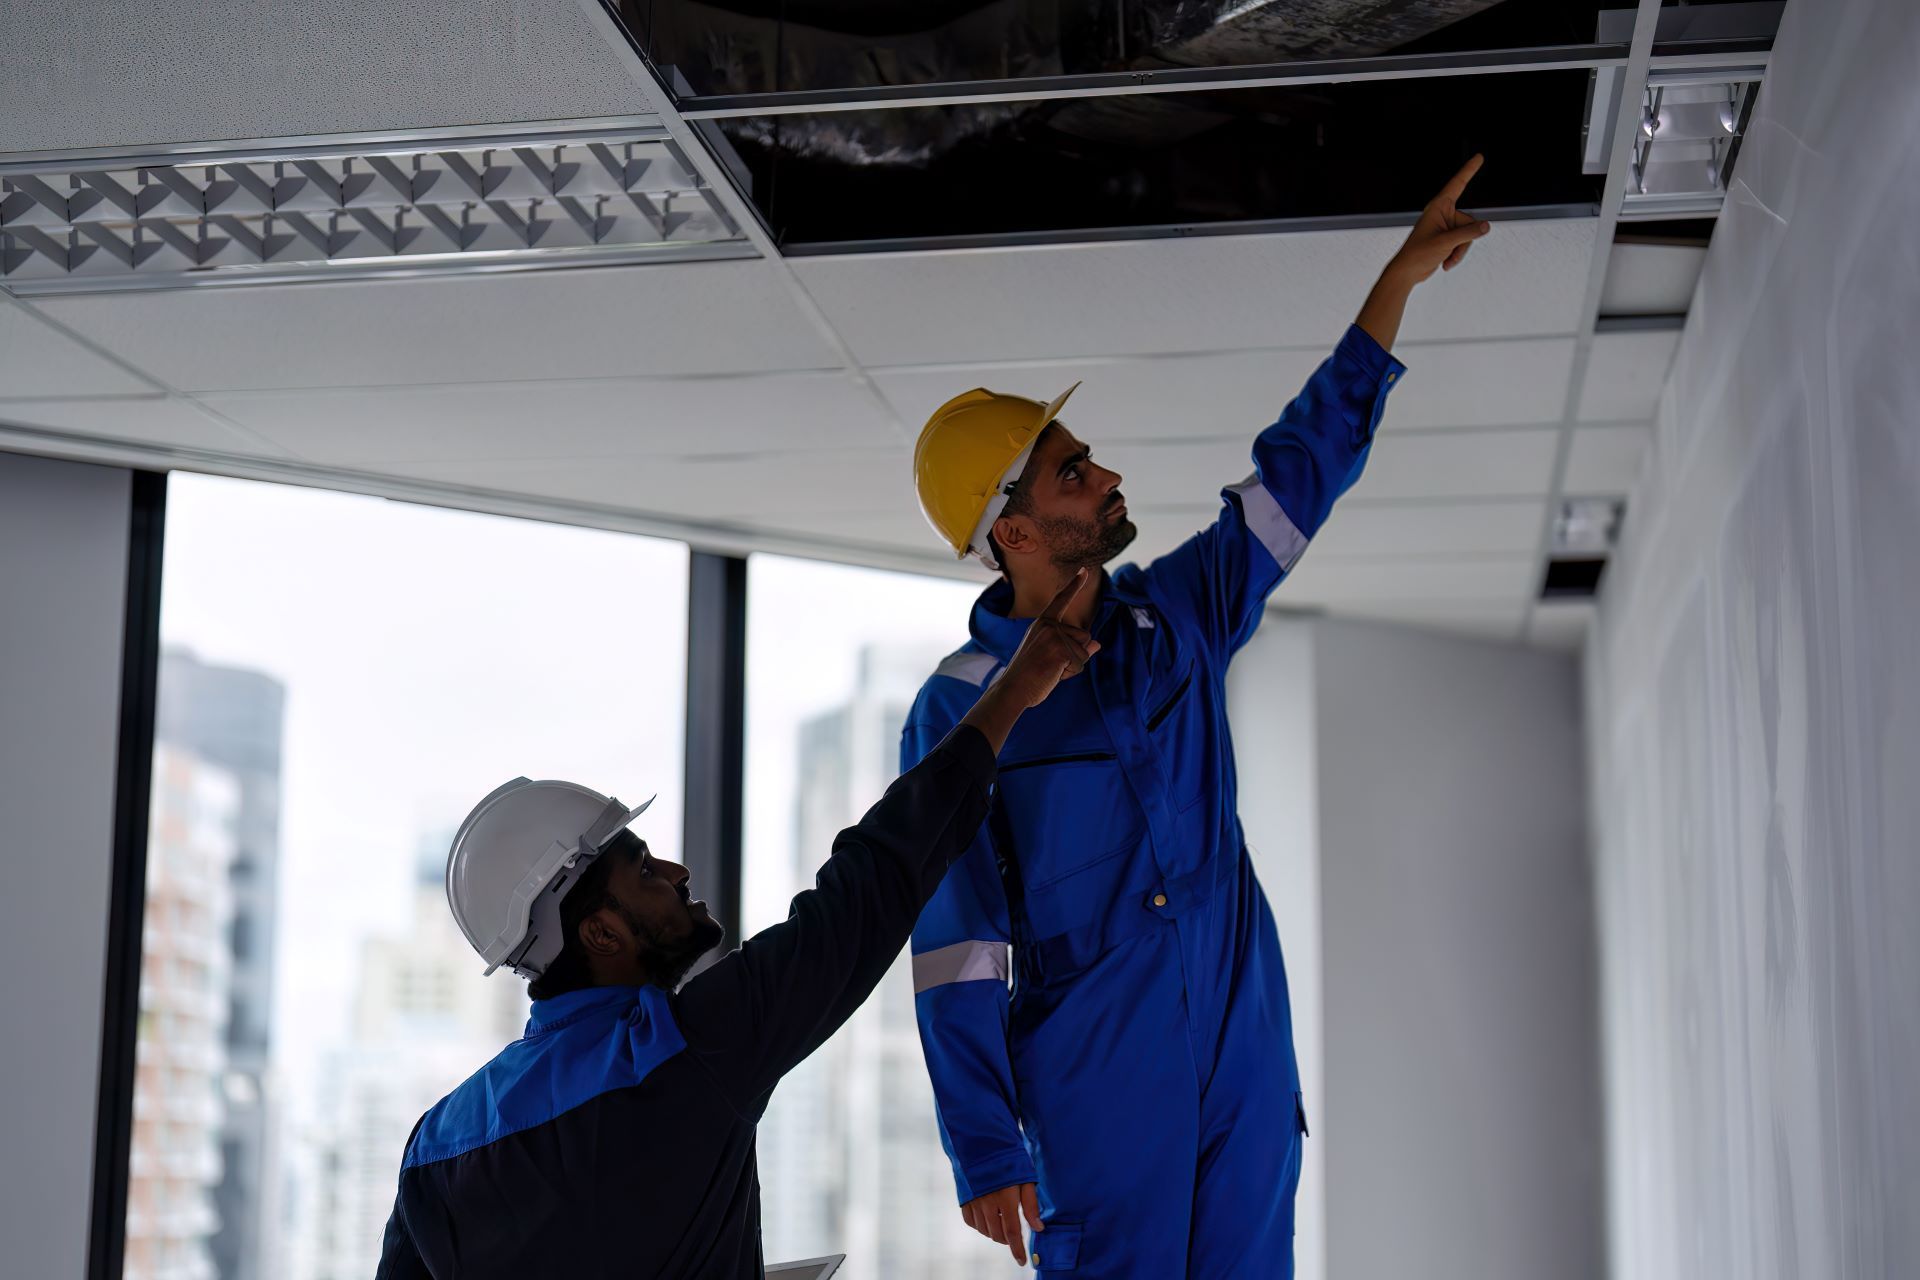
(1269, 523)
(961, 962)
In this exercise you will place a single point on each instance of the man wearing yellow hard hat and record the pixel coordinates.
(1098, 980)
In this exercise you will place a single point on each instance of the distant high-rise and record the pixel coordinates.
(232, 718)
(180, 1059)
(850, 1153)
(424, 1020)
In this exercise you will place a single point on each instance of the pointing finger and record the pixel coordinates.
(1064, 597)
(1457, 184)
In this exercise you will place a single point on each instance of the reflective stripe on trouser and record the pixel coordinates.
(1165, 1148)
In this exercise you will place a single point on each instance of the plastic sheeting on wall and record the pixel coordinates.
(1754, 707)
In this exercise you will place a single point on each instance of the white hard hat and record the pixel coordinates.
(514, 859)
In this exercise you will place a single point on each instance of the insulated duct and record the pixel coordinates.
(727, 51)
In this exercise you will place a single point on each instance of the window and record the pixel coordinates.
(850, 1154)
(342, 679)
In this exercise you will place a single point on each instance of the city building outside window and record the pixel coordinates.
(850, 1156)
(342, 678)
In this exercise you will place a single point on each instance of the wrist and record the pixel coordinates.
(1399, 275)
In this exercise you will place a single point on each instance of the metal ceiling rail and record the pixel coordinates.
(986, 241)
(724, 185)
(1105, 84)
(1620, 154)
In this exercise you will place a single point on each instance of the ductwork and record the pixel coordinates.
(726, 50)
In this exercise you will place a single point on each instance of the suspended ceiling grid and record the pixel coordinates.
(771, 403)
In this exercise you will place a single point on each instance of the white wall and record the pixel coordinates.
(1270, 689)
(1418, 801)
(1755, 708)
(63, 563)
(1462, 1039)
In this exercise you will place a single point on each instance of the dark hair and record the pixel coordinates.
(569, 971)
(1019, 498)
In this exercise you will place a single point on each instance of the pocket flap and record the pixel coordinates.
(1055, 1249)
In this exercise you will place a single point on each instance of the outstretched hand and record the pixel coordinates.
(1443, 233)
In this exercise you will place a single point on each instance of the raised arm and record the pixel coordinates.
(753, 1016)
(1219, 579)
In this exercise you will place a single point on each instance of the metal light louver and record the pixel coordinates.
(340, 210)
(1693, 109)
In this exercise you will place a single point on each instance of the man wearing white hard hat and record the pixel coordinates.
(616, 1137)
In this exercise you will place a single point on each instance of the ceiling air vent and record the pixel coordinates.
(300, 210)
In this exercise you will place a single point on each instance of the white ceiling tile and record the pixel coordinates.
(1449, 528)
(1463, 384)
(1481, 384)
(1561, 624)
(38, 360)
(209, 69)
(1458, 464)
(1625, 375)
(1651, 279)
(151, 420)
(1380, 531)
(1488, 620)
(732, 491)
(898, 529)
(1605, 460)
(663, 318)
(1207, 293)
(1407, 466)
(555, 420)
(1336, 580)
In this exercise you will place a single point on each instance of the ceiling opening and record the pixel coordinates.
(1373, 150)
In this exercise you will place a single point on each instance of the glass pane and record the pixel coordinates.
(850, 1155)
(759, 46)
(1166, 160)
(342, 679)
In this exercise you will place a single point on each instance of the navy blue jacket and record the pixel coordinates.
(616, 1138)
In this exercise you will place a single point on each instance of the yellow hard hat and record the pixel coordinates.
(970, 454)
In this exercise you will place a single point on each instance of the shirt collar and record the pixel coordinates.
(1000, 635)
(550, 1015)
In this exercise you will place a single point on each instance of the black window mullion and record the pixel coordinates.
(716, 731)
(127, 903)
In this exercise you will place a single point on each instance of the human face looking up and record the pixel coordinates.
(1068, 513)
(655, 930)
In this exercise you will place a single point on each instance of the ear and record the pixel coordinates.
(599, 936)
(1015, 536)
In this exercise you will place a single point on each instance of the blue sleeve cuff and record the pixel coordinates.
(1009, 1169)
(1358, 350)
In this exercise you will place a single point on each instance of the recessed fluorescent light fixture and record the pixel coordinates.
(1693, 111)
(345, 208)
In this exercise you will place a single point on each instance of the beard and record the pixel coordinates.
(669, 959)
(1085, 543)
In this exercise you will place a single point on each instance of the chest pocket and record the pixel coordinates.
(1070, 810)
(1176, 723)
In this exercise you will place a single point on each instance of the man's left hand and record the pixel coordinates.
(1442, 236)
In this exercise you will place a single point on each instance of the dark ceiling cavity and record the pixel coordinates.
(1158, 163)
(1573, 579)
(725, 47)
(1366, 152)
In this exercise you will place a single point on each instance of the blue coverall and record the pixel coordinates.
(1099, 985)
